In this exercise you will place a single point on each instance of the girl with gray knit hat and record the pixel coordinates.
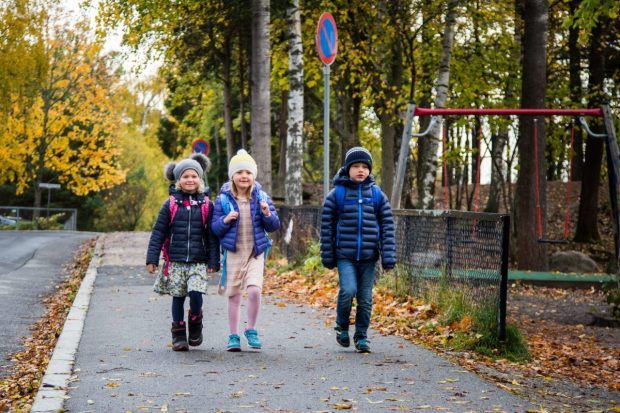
(182, 233)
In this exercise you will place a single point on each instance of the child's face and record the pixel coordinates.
(358, 172)
(243, 180)
(189, 181)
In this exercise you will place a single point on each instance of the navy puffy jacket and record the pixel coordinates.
(189, 241)
(227, 233)
(358, 233)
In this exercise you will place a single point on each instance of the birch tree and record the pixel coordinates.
(426, 187)
(294, 139)
(260, 122)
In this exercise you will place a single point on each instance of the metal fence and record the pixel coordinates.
(67, 216)
(466, 252)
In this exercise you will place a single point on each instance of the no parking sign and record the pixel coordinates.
(327, 38)
(200, 146)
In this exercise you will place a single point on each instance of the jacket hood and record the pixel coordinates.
(342, 178)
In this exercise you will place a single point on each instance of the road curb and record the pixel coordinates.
(53, 390)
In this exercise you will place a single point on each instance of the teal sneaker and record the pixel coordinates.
(253, 341)
(234, 343)
(361, 345)
(342, 336)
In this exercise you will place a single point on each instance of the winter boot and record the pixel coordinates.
(179, 337)
(195, 329)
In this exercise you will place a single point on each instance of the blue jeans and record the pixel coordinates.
(356, 281)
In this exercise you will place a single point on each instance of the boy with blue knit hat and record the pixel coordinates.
(357, 228)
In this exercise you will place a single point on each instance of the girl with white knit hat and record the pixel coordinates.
(242, 215)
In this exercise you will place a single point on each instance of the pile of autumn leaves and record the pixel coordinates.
(17, 391)
(582, 360)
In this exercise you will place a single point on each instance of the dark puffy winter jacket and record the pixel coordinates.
(227, 233)
(358, 233)
(190, 241)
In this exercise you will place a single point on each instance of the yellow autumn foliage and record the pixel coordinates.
(70, 126)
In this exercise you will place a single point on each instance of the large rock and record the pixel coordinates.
(572, 261)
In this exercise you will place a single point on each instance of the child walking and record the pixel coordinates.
(243, 213)
(357, 228)
(190, 249)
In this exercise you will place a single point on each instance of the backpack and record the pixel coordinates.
(341, 201)
(174, 207)
(227, 207)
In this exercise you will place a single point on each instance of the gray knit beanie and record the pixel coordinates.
(197, 161)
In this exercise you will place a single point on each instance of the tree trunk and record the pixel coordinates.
(498, 144)
(429, 158)
(227, 96)
(574, 82)
(242, 124)
(294, 139)
(587, 222)
(532, 255)
(390, 79)
(426, 82)
(261, 94)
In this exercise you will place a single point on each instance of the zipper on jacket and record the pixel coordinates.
(189, 227)
(360, 206)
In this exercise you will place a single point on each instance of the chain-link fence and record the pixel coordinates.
(461, 252)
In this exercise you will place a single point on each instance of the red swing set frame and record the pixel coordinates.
(600, 112)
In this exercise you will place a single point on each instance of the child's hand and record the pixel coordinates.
(264, 206)
(211, 270)
(152, 268)
(232, 215)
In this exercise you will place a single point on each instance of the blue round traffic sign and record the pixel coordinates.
(200, 146)
(327, 38)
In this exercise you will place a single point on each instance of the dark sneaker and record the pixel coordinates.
(342, 337)
(361, 345)
(234, 343)
(194, 325)
(253, 341)
(179, 336)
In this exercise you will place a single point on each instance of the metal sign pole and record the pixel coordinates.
(325, 131)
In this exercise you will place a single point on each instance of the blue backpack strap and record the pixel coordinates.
(340, 192)
(376, 198)
(262, 196)
(227, 206)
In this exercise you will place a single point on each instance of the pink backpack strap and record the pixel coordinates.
(204, 210)
(174, 207)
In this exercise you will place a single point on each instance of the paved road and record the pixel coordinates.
(31, 264)
(124, 361)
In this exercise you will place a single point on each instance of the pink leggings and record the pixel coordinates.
(234, 309)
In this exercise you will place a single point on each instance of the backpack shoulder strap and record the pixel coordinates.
(376, 197)
(340, 192)
(174, 207)
(204, 210)
(226, 204)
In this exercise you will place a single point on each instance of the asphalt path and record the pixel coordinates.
(31, 264)
(124, 361)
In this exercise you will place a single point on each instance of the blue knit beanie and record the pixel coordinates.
(357, 154)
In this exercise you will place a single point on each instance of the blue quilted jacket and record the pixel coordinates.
(354, 231)
(190, 242)
(227, 233)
